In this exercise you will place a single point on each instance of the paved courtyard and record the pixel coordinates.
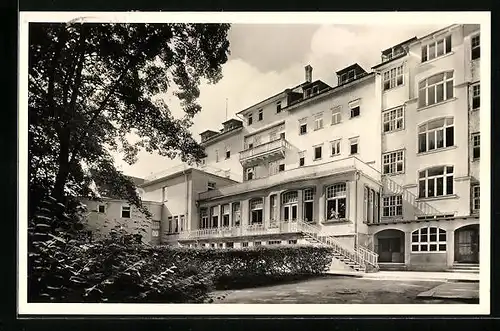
(347, 290)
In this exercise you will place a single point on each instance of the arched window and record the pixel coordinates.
(435, 89)
(256, 211)
(290, 205)
(428, 239)
(436, 134)
(336, 199)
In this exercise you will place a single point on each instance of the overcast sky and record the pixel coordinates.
(266, 59)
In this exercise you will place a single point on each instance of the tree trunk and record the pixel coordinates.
(63, 171)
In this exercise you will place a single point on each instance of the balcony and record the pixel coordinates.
(396, 220)
(336, 167)
(272, 150)
(241, 231)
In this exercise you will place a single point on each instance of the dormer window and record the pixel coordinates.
(315, 90)
(307, 93)
(348, 76)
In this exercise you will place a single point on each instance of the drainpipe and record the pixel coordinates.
(186, 209)
(356, 211)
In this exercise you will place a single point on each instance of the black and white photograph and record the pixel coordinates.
(312, 163)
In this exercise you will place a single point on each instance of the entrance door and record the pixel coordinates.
(467, 245)
(389, 250)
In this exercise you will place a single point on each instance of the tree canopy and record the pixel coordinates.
(90, 85)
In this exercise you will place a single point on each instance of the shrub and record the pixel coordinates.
(64, 267)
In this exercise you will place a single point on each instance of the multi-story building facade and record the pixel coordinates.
(378, 166)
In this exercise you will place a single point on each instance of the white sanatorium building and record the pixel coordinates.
(384, 166)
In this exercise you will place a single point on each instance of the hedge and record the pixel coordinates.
(64, 267)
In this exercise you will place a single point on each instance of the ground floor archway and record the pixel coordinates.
(390, 246)
(467, 244)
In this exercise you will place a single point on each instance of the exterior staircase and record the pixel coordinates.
(359, 258)
(465, 268)
(421, 208)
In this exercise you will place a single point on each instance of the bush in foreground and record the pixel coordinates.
(64, 267)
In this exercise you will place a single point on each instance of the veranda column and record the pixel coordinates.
(407, 246)
(450, 247)
(321, 203)
(300, 205)
(219, 219)
(231, 215)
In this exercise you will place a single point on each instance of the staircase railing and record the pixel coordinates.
(360, 255)
(422, 207)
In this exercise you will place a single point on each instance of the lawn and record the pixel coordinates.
(336, 290)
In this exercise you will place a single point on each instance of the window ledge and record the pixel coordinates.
(422, 64)
(394, 174)
(475, 160)
(438, 150)
(443, 197)
(475, 109)
(393, 131)
(437, 104)
(335, 123)
(427, 252)
(318, 159)
(339, 221)
(335, 155)
(387, 218)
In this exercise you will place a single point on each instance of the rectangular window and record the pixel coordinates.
(278, 107)
(292, 241)
(355, 112)
(335, 147)
(225, 215)
(101, 209)
(176, 224)
(393, 78)
(256, 208)
(236, 214)
(281, 167)
(250, 119)
(205, 224)
(393, 206)
(436, 134)
(182, 220)
(435, 89)
(303, 128)
(308, 205)
(475, 47)
(354, 143)
(336, 199)
(228, 154)
(230, 245)
(214, 213)
(436, 48)
(155, 229)
(476, 98)
(393, 162)
(210, 186)
(318, 121)
(125, 211)
(250, 173)
(475, 198)
(170, 225)
(315, 89)
(476, 149)
(274, 242)
(317, 152)
(257, 243)
(244, 244)
(336, 115)
(435, 182)
(261, 114)
(393, 119)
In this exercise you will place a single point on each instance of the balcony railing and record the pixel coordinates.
(274, 147)
(307, 172)
(240, 231)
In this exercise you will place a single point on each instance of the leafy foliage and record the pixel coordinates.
(64, 266)
(91, 85)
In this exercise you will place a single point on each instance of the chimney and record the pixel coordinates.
(309, 73)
